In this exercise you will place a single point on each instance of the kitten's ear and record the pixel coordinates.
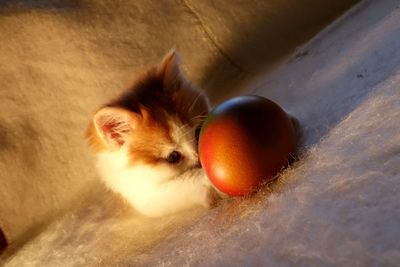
(113, 126)
(169, 70)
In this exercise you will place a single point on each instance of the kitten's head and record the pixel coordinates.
(155, 121)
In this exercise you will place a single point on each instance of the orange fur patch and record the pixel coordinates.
(148, 138)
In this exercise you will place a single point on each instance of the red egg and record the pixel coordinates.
(245, 142)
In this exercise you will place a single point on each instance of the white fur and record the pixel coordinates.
(158, 190)
(152, 190)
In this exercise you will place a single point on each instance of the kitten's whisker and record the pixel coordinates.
(193, 139)
(195, 101)
(198, 118)
(181, 127)
(186, 132)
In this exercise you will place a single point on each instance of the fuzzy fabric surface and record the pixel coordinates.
(337, 206)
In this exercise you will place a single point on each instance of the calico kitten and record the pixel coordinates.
(146, 142)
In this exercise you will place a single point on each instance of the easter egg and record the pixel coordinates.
(244, 142)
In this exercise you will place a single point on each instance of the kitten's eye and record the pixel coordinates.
(197, 132)
(174, 157)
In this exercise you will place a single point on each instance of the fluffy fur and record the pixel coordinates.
(146, 144)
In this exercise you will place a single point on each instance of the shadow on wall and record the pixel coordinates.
(3, 241)
(254, 35)
(39, 4)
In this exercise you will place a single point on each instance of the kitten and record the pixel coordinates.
(146, 142)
